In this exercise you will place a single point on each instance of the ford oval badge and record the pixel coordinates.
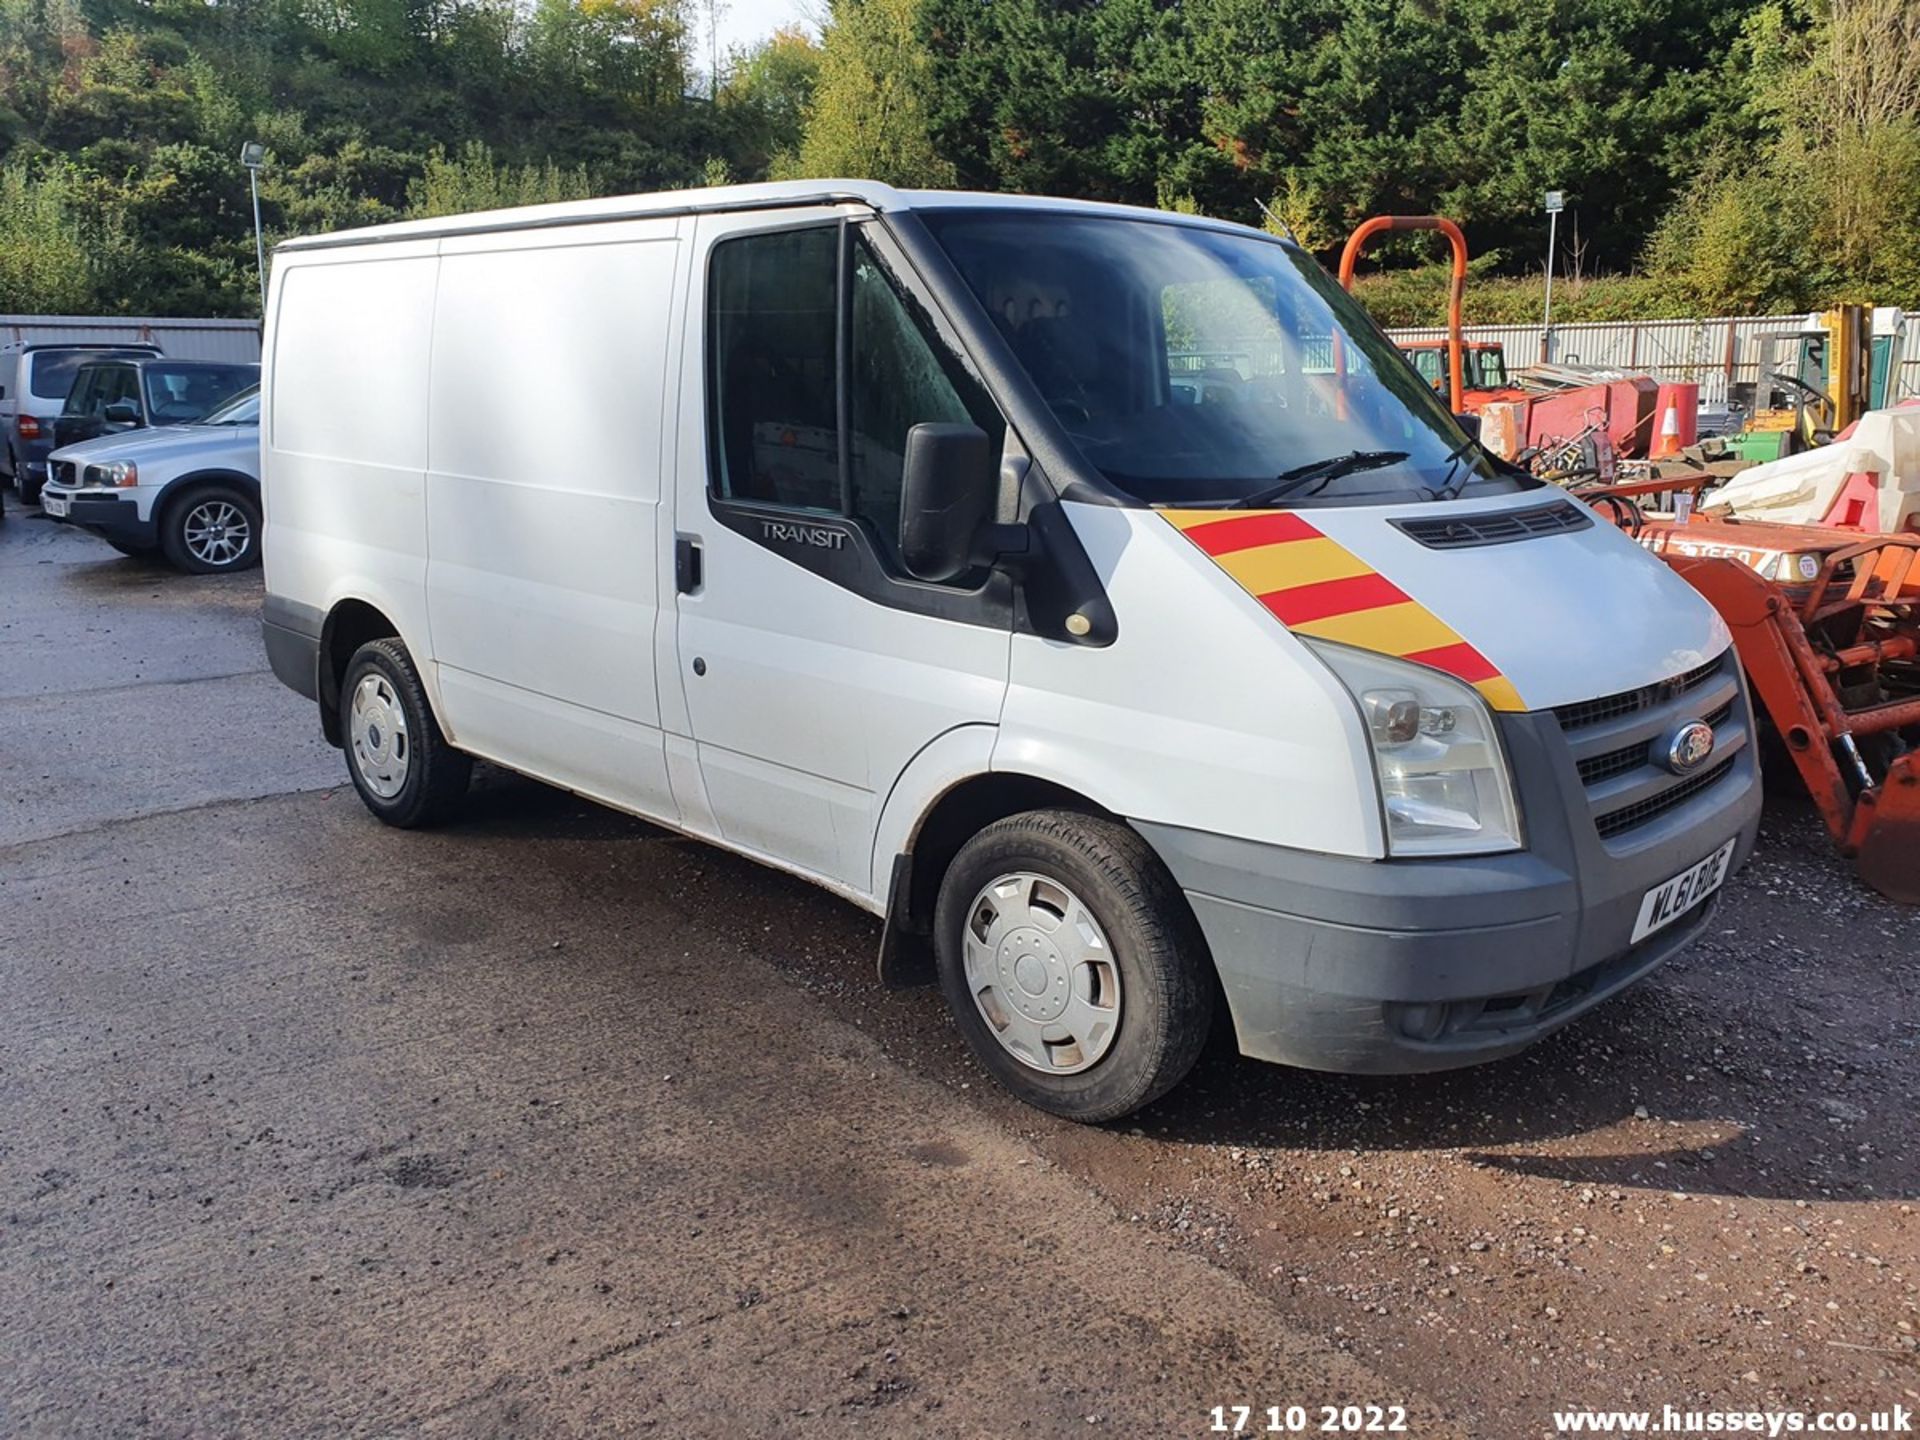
(1690, 746)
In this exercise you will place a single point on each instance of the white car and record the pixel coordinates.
(189, 491)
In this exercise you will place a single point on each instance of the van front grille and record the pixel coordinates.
(1618, 743)
(1613, 762)
(1630, 817)
(1628, 758)
(1582, 713)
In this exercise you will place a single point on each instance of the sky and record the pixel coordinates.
(744, 21)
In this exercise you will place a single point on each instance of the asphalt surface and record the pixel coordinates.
(552, 1123)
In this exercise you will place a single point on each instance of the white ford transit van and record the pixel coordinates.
(1094, 593)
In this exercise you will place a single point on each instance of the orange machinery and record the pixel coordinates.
(1456, 285)
(1827, 624)
(1642, 416)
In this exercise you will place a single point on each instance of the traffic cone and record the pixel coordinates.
(1668, 444)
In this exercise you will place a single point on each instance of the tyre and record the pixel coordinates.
(210, 530)
(29, 489)
(1072, 964)
(403, 767)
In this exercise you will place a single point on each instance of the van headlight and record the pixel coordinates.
(1444, 780)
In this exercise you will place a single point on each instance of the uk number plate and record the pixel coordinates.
(1671, 899)
(53, 505)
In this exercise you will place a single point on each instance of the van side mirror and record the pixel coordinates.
(121, 412)
(949, 486)
(1470, 424)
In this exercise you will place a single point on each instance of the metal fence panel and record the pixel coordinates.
(235, 341)
(1715, 354)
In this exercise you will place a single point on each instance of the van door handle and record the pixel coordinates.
(687, 569)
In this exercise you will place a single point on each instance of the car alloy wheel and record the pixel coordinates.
(217, 532)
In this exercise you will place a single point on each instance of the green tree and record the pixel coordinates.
(767, 97)
(58, 255)
(473, 180)
(1816, 196)
(869, 117)
(1748, 155)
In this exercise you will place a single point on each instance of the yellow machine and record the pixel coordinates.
(1819, 379)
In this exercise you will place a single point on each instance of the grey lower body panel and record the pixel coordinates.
(291, 632)
(111, 518)
(1400, 966)
(1381, 1002)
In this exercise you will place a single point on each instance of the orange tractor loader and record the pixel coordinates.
(1456, 285)
(1827, 624)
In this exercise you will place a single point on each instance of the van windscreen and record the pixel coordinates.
(1200, 366)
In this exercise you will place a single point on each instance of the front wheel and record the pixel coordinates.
(403, 767)
(1072, 964)
(211, 530)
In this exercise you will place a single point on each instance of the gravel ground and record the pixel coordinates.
(436, 1119)
(1702, 1195)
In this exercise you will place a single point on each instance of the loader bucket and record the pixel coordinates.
(1885, 834)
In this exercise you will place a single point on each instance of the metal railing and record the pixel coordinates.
(1715, 354)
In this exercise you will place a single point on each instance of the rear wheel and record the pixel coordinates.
(212, 529)
(29, 488)
(1072, 964)
(401, 764)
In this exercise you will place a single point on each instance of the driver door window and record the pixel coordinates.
(901, 376)
(772, 327)
(790, 429)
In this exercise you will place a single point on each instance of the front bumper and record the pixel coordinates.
(104, 513)
(1384, 967)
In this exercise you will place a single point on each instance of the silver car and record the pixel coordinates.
(191, 492)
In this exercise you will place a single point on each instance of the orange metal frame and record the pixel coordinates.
(1863, 604)
(1456, 292)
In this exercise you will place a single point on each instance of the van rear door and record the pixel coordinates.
(811, 667)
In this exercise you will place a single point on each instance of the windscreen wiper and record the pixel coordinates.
(1447, 489)
(1324, 471)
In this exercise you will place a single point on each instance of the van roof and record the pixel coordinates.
(22, 347)
(170, 362)
(784, 194)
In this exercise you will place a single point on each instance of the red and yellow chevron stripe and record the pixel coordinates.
(1317, 586)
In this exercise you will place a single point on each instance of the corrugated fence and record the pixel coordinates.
(231, 340)
(1714, 353)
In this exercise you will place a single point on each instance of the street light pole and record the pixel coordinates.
(253, 155)
(1555, 202)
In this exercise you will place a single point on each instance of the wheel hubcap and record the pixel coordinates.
(378, 727)
(1041, 974)
(217, 532)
